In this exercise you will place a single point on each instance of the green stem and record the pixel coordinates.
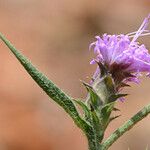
(93, 144)
(126, 127)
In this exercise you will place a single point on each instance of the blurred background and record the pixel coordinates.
(55, 35)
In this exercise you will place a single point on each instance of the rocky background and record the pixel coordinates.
(55, 35)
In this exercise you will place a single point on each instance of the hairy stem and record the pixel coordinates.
(126, 127)
(93, 143)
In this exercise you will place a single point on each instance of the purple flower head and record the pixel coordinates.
(122, 55)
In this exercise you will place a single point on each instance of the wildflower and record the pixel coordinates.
(122, 56)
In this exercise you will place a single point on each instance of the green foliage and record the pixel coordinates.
(61, 98)
(50, 88)
(114, 97)
(102, 68)
(95, 101)
(105, 114)
(86, 110)
(97, 109)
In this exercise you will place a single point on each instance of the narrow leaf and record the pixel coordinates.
(103, 70)
(114, 97)
(94, 98)
(48, 86)
(97, 126)
(115, 117)
(87, 113)
(105, 113)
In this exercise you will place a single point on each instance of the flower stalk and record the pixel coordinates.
(126, 127)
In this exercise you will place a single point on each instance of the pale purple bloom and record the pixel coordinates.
(122, 55)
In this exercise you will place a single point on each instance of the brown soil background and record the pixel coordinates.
(55, 35)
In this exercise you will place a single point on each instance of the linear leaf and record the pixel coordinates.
(49, 87)
(86, 110)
